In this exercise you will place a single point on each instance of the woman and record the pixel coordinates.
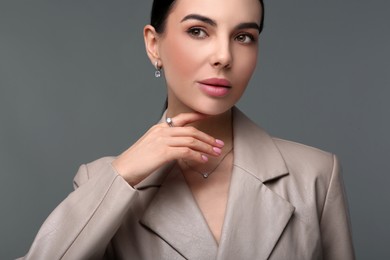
(205, 182)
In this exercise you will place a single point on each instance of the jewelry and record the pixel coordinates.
(157, 73)
(206, 174)
(169, 122)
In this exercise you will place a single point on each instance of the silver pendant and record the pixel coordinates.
(205, 175)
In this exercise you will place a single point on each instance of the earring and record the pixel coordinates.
(157, 73)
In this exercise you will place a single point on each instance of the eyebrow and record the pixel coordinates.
(200, 18)
(248, 26)
(212, 22)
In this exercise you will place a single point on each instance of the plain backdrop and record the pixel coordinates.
(76, 85)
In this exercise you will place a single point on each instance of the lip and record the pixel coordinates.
(215, 87)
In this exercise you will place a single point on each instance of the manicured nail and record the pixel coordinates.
(219, 142)
(204, 158)
(217, 150)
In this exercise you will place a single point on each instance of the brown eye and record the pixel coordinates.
(245, 38)
(197, 32)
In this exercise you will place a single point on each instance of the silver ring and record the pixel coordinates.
(169, 122)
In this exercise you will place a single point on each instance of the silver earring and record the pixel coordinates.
(157, 73)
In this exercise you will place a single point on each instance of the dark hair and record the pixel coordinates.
(159, 14)
(161, 9)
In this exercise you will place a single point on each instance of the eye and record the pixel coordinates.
(245, 38)
(197, 32)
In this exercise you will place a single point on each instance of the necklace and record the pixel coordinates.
(206, 174)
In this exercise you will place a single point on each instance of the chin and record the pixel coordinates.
(212, 110)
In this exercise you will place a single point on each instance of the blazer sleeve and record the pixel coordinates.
(82, 226)
(335, 222)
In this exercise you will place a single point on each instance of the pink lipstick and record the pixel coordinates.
(215, 87)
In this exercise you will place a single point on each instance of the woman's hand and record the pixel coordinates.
(162, 144)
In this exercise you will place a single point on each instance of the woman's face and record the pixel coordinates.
(209, 52)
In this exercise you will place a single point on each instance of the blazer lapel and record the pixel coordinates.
(175, 217)
(255, 216)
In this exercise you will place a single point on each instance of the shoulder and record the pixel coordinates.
(257, 150)
(309, 167)
(300, 156)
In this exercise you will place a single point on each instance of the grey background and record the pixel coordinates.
(75, 85)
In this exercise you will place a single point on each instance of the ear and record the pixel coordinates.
(151, 38)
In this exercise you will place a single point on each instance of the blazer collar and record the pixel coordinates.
(255, 151)
(174, 216)
(255, 216)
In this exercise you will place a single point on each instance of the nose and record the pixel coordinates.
(222, 56)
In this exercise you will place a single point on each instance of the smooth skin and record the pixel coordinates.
(202, 39)
(162, 144)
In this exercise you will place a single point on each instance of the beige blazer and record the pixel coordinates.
(286, 201)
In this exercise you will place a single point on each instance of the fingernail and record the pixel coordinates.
(204, 158)
(219, 142)
(217, 150)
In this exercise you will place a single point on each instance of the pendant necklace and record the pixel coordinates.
(206, 174)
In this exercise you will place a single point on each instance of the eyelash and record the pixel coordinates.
(196, 31)
(192, 32)
(250, 36)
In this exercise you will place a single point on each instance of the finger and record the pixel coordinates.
(188, 154)
(196, 145)
(187, 118)
(190, 131)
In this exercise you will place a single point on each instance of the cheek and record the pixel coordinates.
(246, 64)
(180, 61)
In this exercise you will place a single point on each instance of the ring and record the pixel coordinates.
(169, 122)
